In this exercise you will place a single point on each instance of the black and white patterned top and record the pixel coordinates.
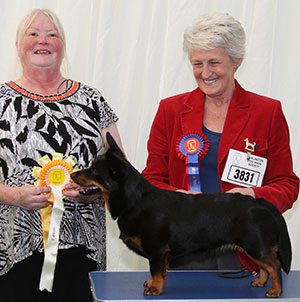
(32, 126)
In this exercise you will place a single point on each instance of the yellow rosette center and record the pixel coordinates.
(57, 177)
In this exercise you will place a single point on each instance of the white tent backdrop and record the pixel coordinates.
(132, 51)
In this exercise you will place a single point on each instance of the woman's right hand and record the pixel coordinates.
(188, 192)
(27, 197)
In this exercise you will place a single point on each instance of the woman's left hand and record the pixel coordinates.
(72, 191)
(244, 191)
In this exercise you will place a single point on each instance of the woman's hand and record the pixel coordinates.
(189, 192)
(244, 191)
(72, 191)
(27, 197)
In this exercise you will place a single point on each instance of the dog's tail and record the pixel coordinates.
(284, 248)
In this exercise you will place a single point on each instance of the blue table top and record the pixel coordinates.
(188, 286)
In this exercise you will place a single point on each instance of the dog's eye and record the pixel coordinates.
(113, 172)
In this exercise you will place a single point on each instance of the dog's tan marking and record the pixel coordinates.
(105, 193)
(135, 243)
(135, 240)
(83, 181)
(155, 285)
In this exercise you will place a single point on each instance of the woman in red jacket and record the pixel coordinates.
(242, 139)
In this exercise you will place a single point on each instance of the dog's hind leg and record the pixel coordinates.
(158, 270)
(270, 265)
(276, 277)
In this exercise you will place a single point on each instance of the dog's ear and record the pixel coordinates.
(113, 146)
(116, 159)
(118, 166)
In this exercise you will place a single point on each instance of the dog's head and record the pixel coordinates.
(106, 172)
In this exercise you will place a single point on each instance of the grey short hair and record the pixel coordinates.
(216, 30)
(27, 20)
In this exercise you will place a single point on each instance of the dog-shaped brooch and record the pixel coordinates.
(157, 223)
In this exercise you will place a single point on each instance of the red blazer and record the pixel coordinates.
(258, 118)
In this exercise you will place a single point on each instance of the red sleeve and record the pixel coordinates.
(281, 184)
(157, 168)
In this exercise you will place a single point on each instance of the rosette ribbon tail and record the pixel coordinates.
(192, 166)
(48, 270)
(45, 220)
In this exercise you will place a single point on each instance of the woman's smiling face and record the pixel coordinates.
(41, 46)
(214, 72)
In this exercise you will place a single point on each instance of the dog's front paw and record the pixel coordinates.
(148, 283)
(152, 291)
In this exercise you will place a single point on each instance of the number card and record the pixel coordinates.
(243, 171)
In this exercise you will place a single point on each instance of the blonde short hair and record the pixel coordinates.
(216, 30)
(27, 20)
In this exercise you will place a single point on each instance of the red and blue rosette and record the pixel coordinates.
(192, 147)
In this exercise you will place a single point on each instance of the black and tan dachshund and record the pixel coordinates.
(158, 223)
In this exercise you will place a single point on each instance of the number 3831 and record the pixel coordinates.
(243, 175)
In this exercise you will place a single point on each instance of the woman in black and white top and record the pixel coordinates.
(42, 113)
